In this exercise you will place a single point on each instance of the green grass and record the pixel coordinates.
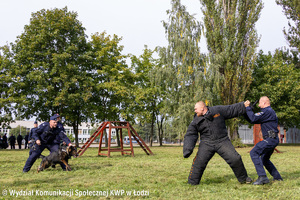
(161, 176)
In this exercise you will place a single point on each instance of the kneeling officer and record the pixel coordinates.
(44, 136)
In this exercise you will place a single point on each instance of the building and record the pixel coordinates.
(84, 130)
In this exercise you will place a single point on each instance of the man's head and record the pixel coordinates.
(35, 124)
(53, 121)
(57, 116)
(200, 108)
(264, 102)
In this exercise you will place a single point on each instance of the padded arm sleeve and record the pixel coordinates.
(190, 140)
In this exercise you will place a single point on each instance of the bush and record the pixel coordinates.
(237, 143)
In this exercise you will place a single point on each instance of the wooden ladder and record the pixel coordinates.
(100, 129)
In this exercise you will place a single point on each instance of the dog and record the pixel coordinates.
(61, 156)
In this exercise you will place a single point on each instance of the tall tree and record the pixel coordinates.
(50, 70)
(291, 9)
(231, 41)
(276, 76)
(5, 104)
(148, 94)
(112, 79)
(182, 65)
(112, 83)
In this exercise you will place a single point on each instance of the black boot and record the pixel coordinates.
(248, 180)
(261, 180)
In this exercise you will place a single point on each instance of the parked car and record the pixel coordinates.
(127, 141)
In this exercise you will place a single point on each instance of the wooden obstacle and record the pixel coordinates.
(120, 126)
(257, 135)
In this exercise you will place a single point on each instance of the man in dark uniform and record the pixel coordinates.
(19, 140)
(5, 141)
(58, 140)
(30, 138)
(59, 124)
(210, 123)
(263, 150)
(44, 137)
(26, 139)
(1, 142)
(12, 141)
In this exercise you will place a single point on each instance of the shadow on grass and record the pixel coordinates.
(218, 179)
(92, 166)
(288, 175)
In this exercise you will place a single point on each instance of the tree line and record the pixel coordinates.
(53, 67)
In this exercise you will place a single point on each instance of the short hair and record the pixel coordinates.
(201, 103)
(266, 99)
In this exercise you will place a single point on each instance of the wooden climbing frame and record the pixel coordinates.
(101, 130)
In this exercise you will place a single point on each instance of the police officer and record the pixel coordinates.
(210, 123)
(59, 124)
(19, 140)
(57, 140)
(44, 136)
(26, 138)
(5, 141)
(31, 142)
(263, 150)
(12, 141)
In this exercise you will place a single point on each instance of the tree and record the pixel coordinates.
(148, 94)
(291, 9)
(5, 104)
(19, 129)
(231, 41)
(182, 66)
(112, 79)
(49, 74)
(275, 76)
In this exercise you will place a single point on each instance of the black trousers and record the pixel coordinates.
(226, 150)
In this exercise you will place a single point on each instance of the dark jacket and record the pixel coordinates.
(4, 138)
(12, 139)
(26, 138)
(266, 117)
(19, 139)
(211, 126)
(57, 140)
(47, 135)
(31, 133)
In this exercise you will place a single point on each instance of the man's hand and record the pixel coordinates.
(247, 103)
(38, 142)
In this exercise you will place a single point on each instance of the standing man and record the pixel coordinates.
(59, 124)
(5, 141)
(210, 123)
(58, 140)
(44, 136)
(26, 138)
(19, 140)
(30, 138)
(1, 142)
(12, 141)
(263, 150)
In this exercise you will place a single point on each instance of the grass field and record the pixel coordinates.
(161, 176)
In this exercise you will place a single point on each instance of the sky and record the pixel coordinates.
(138, 22)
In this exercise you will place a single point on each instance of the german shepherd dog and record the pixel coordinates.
(61, 156)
